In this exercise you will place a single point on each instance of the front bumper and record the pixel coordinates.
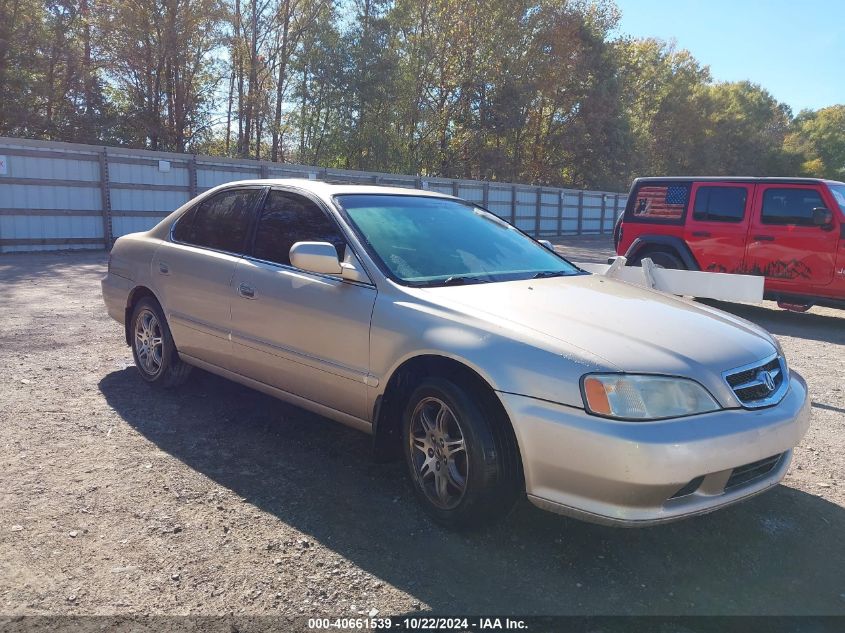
(632, 473)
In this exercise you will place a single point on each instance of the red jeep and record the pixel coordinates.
(792, 230)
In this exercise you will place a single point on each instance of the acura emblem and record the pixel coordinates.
(765, 378)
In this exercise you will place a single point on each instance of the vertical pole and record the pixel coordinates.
(455, 188)
(580, 228)
(485, 195)
(105, 199)
(192, 176)
(264, 171)
(513, 204)
(603, 213)
(560, 195)
(538, 211)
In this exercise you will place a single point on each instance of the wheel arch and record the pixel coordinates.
(645, 243)
(387, 411)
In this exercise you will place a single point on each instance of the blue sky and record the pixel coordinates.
(794, 49)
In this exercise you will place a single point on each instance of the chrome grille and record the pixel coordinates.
(760, 384)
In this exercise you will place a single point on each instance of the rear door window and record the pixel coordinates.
(790, 205)
(220, 222)
(288, 218)
(720, 204)
(660, 202)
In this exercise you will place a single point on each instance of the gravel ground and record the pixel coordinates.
(116, 498)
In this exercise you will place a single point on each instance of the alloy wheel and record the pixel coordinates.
(149, 342)
(438, 453)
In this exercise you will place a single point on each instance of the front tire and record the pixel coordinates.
(153, 349)
(460, 461)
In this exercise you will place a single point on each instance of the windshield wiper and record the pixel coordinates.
(550, 273)
(457, 280)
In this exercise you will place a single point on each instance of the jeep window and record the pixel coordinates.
(790, 206)
(288, 218)
(720, 204)
(430, 241)
(838, 192)
(220, 222)
(660, 203)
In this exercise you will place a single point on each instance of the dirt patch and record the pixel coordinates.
(117, 498)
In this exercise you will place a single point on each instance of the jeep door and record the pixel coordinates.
(304, 333)
(717, 228)
(784, 244)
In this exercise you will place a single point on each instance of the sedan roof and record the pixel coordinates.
(327, 189)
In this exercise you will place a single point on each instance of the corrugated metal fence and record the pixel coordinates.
(63, 195)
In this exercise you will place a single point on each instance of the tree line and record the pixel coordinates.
(538, 91)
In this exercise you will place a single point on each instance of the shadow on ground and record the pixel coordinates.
(779, 553)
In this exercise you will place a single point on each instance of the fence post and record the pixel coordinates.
(192, 176)
(603, 213)
(560, 195)
(105, 199)
(485, 194)
(455, 188)
(513, 204)
(538, 211)
(580, 228)
(264, 171)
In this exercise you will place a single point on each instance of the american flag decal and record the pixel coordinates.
(662, 201)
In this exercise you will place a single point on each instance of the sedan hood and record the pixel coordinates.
(615, 324)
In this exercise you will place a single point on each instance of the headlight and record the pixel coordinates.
(643, 397)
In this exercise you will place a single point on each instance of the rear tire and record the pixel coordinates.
(153, 349)
(661, 259)
(461, 463)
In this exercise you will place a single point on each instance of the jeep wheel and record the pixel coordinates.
(661, 259)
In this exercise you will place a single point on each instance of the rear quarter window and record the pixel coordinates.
(661, 203)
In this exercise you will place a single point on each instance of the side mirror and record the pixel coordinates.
(315, 257)
(822, 217)
(547, 244)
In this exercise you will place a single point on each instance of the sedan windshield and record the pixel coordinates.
(426, 241)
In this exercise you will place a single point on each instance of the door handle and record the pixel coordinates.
(246, 291)
(701, 233)
(163, 268)
(764, 238)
